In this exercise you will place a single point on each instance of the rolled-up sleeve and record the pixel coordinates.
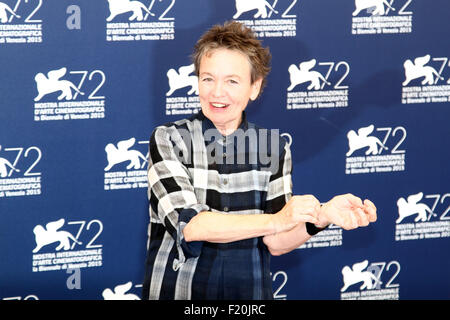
(170, 190)
(280, 183)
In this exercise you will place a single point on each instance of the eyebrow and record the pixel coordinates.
(227, 76)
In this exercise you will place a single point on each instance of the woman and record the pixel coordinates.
(214, 218)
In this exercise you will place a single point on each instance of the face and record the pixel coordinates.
(225, 87)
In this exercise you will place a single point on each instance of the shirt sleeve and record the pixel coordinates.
(280, 183)
(171, 193)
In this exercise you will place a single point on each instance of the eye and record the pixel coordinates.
(207, 79)
(232, 81)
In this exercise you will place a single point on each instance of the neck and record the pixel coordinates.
(228, 128)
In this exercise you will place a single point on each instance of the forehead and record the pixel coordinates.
(225, 61)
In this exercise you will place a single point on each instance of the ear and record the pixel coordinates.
(255, 89)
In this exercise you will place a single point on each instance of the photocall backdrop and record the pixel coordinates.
(360, 88)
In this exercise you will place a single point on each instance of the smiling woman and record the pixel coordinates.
(235, 36)
(225, 92)
(215, 220)
(232, 67)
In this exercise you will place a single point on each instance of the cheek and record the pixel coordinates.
(201, 88)
(240, 97)
(203, 93)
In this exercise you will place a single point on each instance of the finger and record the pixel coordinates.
(370, 210)
(337, 219)
(307, 218)
(349, 221)
(308, 207)
(346, 219)
(369, 203)
(307, 201)
(363, 219)
(354, 200)
(310, 197)
(317, 210)
(321, 217)
(354, 220)
(371, 214)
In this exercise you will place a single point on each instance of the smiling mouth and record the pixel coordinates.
(219, 105)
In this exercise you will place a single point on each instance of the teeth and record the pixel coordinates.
(219, 105)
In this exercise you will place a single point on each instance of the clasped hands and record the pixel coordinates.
(346, 211)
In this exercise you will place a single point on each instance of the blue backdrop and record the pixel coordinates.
(360, 88)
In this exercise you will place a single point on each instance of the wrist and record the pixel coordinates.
(274, 224)
(322, 220)
(279, 223)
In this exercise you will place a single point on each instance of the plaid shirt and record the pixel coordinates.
(185, 178)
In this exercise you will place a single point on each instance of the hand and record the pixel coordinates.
(348, 212)
(304, 208)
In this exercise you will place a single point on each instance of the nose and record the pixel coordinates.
(218, 89)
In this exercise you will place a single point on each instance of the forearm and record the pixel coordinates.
(222, 228)
(284, 242)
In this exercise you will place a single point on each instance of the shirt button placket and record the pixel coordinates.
(225, 195)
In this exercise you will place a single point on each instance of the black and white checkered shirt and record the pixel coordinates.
(193, 168)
